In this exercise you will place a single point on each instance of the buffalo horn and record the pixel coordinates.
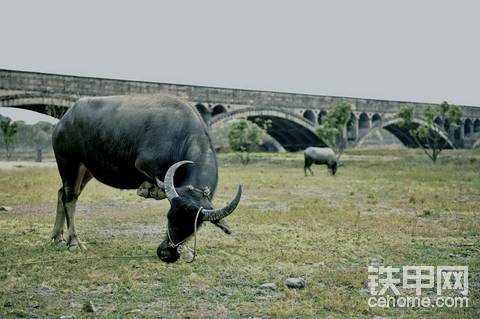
(160, 184)
(217, 214)
(169, 187)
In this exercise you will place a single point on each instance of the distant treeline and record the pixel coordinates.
(17, 136)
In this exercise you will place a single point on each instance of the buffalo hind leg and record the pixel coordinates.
(57, 233)
(310, 169)
(308, 166)
(83, 177)
(71, 190)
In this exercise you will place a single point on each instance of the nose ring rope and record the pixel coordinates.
(173, 245)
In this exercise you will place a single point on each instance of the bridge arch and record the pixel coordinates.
(321, 115)
(204, 112)
(363, 121)
(292, 131)
(352, 127)
(446, 126)
(309, 115)
(376, 119)
(218, 109)
(467, 128)
(457, 133)
(52, 105)
(402, 132)
(476, 126)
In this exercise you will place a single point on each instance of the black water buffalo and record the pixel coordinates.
(320, 156)
(129, 141)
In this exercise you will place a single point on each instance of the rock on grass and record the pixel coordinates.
(89, 307)
(268, 286)
(297, 283)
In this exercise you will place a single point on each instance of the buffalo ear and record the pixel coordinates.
(222, 225)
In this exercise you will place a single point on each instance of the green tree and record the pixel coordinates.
(245, 136)
(331, 130)
(9, 129)
(42, 141)
(425, 135)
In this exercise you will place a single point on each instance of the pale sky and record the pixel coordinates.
(425, 51)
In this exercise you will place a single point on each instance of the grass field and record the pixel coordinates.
(388, 207)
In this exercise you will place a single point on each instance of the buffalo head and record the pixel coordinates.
(185, 203)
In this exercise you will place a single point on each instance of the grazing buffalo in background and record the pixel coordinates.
(128, 142)
(320, 156)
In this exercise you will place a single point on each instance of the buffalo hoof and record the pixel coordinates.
(75, 245)
(58, 240)
(59, 243)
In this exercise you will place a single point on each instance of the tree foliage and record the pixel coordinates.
(245, 137)
(9, 129)
(425, 135)
(331, 130)
(26, 136)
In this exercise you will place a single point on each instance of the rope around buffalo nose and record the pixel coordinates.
(173, 245)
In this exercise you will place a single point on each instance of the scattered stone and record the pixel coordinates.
(74, 304)
(221, 293)
(133, 311)
(264, 298)
(297, 283)
(5, 208)
(456, 256)
(89, 307)
(67, 317)
(268, 286)
(19, 313)
(8, 304)
(42, 291)
(322, 285)
(33, 304)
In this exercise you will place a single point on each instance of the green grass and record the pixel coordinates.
(389, 205)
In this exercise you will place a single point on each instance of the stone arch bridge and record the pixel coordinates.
(293, 116)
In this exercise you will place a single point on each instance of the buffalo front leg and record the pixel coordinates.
(57, 233)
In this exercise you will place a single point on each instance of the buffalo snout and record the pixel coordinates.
(167, 253)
